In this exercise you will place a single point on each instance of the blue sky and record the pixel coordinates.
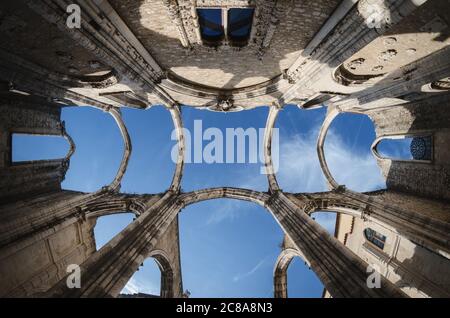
(228, 247)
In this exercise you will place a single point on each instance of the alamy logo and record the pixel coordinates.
(374, 278)
(237, 146)
(74, 278)
(74, 19)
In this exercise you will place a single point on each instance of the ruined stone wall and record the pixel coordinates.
(152, 23)
(28, 115)
(418, 271)
(428, 117)
(32, 269)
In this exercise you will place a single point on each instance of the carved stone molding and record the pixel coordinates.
(267, 15)
(225, 104)
(173, 9)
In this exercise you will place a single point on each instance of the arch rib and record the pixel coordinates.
(178, 124)
(115, 184)
(331, 115)
(280, 271)
(230, 193)
(268, 133)
(165, 267)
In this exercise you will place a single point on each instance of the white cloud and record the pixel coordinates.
(228, 210)
(135, 286)
(231, 210)
(300, 172)
(300, 168)
(239, 277)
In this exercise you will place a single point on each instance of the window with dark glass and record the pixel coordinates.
(375, 238)
(211, 26)
(232, 26)
(239, 26)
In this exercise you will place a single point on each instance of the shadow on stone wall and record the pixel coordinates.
(424, 271)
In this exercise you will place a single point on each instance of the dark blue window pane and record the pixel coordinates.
(421, 148)
(375, 238)
(240, 23)
(210, 24)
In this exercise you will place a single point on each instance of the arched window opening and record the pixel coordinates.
(214, 234)
(99, 148)
(219, 154)
(302, 282)
(298, 132)
(145, 282)
(151, 166)
(418, 148)
(348, 153)
(375, 238)
(31, 147)
(109, 226)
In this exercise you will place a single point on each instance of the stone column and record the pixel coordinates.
(341, 271)
(280, 283)
(108, 270)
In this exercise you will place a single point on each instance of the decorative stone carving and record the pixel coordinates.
(267, 15)
(376, 13)
(173, 10)
(225, 104)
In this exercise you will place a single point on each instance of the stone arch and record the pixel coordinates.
(167, 275)
(178, 124)
(127, 148)
(117, 116)
(331, 115)
(273, 204)
(280, 271)
(230, 193)
(271, 175)
(114, 204)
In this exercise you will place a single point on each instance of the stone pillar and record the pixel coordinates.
(341, 271)
(167, 255)
(280, 283)
(108, 270)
